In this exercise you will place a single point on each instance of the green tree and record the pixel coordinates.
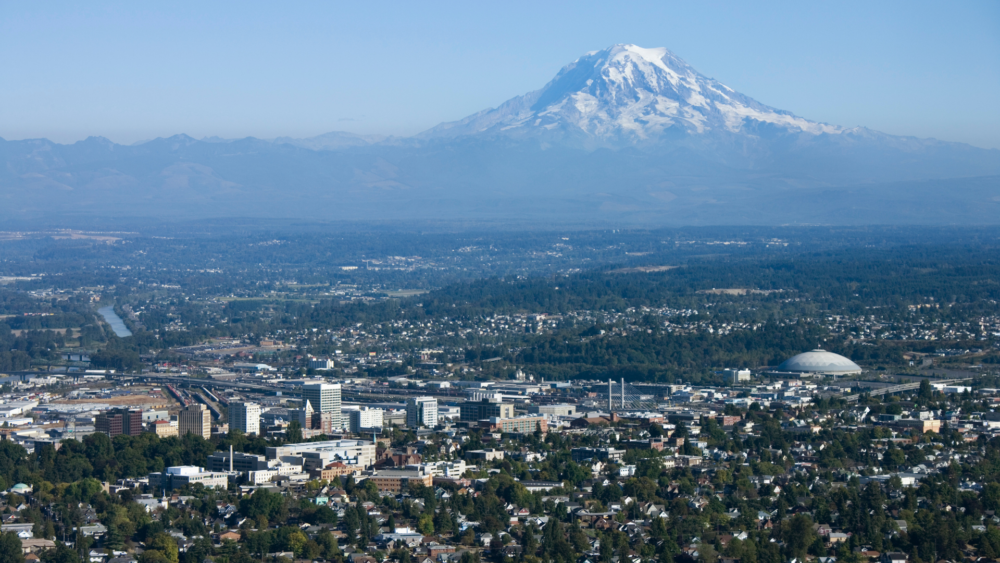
(62, 553)
(165, 545)
(425, 525)
(294, 432)
(10, 548)
(991, 496)
(798, 534)
(297, 542)
(926, 391)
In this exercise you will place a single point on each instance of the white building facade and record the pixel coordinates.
(364, 420)
(324, 397)
(244, 417)
(421, 411)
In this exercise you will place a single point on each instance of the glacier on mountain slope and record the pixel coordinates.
(629, 92)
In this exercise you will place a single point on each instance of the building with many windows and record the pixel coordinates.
(176, 477)
(119, 421)
(163, 428)
(554, 410)
(421, 411)
(195, 419)
(324, 397)
(364, 420)
(396, 481)
(223, 461)
(244, 417)
(319, 454)
(516, 425)
(486, 408)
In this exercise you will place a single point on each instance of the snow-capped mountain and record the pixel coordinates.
(626, 92)
(624, 134)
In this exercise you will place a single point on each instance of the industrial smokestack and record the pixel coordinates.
(230, 458)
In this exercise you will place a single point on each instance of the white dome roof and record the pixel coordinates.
(820, 361)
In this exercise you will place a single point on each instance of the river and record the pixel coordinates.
(115, 321)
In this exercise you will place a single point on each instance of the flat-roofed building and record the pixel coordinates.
(220, 461)
(334, 470)
(163, 428)
(485, 455)
(244, 417)
(119, 421)
(181, 475)
(318, 454)
(474, 411)
(421, 411)
(324, 397)
(516, 425)
(195, 419)
(602, 454)
(364, 420)
(396, 481)
(554, 410)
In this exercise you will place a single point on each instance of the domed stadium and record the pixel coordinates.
(819, 362)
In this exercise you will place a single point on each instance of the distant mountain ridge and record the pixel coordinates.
(621, 135)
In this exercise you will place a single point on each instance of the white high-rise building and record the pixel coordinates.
(324, 397)
(421, 411)
(364, 420)
(244, 417)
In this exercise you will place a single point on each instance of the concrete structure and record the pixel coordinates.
(154, 415)
(603, 454)
(421, 411)
(178, 476)
(396, 481)
(163, 428)
(484, 455)
(304, 415)
(119, 421)
(486, 408)
(334, 470)
(819, 362)
(736, 375)
(195, 419)
(364, 420)
(320, 363)
(916, 424)
(553, 410)
(244, 417)
(224, 461)
(452, 469)
(516, 425)
(316, 455)
(322, 423)
(324, 397)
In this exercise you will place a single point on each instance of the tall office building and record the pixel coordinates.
(195, 419)
(364, 420)
(244, 417)
(421, 411)
(119, 421)
(324, 397)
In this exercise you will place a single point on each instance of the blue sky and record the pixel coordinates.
(134, 70)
